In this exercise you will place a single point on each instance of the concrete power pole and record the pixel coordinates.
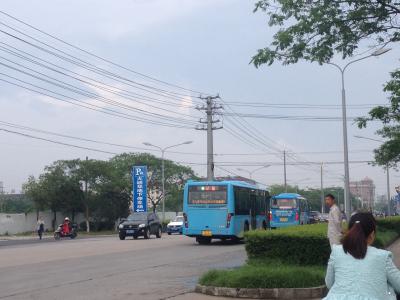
(284, 170)
(322, 189)
(209, 124)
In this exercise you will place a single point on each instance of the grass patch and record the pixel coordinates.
(266, 275)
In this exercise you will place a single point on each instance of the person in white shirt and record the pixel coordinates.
(334, 221)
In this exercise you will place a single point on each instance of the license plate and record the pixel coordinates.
(206, 233)
(283, 219)
(130, 231)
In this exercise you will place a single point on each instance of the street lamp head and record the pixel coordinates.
(380, 51)
(187, 143)
(147, 144)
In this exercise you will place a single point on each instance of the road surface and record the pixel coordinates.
(106, 268)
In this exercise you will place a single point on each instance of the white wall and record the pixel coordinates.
(19, 223)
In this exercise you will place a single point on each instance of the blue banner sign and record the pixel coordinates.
(139, 176)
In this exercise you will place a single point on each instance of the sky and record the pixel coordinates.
(204, 46)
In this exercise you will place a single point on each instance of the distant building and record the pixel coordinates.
(1, 188)
(365, 191)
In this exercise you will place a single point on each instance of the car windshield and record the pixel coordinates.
(284, 203)
(178, 219)
(137, 217)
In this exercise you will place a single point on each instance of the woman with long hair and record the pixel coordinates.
(356, 270)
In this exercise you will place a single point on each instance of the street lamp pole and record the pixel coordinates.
(163, 169)
(253, 171)
(347, 198)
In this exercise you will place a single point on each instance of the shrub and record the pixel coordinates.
(389, 224)
(300, 245)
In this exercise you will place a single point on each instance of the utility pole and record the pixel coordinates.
(209, 124)
(322, 189)
(86, 196)
(284, 170)
(388, 190)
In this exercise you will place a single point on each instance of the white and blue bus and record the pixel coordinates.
(223, 209)
(288, 209)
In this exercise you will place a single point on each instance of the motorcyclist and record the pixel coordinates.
(66, 226)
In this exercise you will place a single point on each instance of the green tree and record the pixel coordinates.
(316, 30)
(389, 152)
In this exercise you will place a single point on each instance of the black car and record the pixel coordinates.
(315, 217)
(140, 224)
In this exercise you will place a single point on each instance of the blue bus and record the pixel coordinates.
(289, 209)
(223, 209)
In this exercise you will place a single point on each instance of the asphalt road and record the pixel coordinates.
(106, 268)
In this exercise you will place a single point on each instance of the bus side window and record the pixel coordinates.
(242, 201)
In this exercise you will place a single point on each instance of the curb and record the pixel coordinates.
(276, 293)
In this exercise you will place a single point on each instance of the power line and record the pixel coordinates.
(289, 118)
(89, 66)
(77, 90)
(99, 57)
(55, 142)
(86, 105)
(99, 85)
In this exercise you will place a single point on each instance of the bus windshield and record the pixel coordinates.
(284, 203)
(209, 194)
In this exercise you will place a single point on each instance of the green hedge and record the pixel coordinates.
(299, 245)
(389, 224)
(307, 244)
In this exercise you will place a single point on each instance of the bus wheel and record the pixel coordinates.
(203, 240)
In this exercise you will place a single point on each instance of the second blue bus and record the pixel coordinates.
(223, 209)
(289, 209)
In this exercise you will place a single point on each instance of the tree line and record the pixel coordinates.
(102, 190)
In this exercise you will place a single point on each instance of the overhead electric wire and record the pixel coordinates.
(91, 95)
(300, 105)
(56, 142)
(101, 85)
(99, 57)
(88, 105)
(28, 128)
(291, 118)
(89, 65)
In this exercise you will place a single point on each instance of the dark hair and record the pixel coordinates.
(361, 225)
(330, 196)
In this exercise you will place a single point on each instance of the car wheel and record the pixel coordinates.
(146, 233)
(159, 233)
(122, 237)
(169, 233)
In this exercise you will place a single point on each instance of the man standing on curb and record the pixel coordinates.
(334, 221)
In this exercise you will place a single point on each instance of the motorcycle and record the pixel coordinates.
(59, 233)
